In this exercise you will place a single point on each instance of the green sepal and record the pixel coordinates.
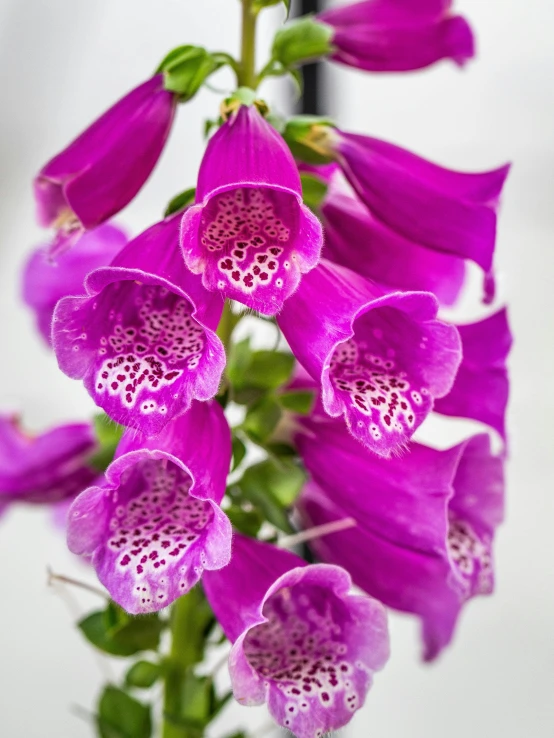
(300, 402)
(143, 675)
(258, 5)
(108, 434)
(122, 716)
(239, 451)
(186, 68)
(248, 522)
(309, 137)
(115, 632)
(301, 41)
(314, 190)
(180, 201)
(261, 419)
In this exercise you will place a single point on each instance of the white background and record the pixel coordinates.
(62, 63)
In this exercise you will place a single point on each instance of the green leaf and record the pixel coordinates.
(300, 402)
(115, 632)
(248, 522)
(186, 68)
(261, 419)
(301, 41)
(264, 370)
(121, 716)
(108, 435)
(143, 675)
(239, 451)
(314, 190)
(180, 201)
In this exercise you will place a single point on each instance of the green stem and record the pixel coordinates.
(247, 68)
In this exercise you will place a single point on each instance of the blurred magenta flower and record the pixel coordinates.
(302, 642)
(46, 280)
(154, 523)
(381, 357)
(103, 169)
(143, 337)
(250, 235)
(425, 521)
(398, 35)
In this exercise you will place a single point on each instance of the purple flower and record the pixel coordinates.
(302, 642)
(450, 212)
(381, 357)
(356, 239)
(45, 468)
(425, 522)
(155, 524)
(45, 280)
(481, 387)
(104, 168)
(398, 35)
(142, 339)
(250, 236)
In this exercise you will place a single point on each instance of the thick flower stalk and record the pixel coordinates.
(381, 357)
(143, 337)
(302, 642)
(153, 524)
(104, 168)
(425, 522)
(250, 235)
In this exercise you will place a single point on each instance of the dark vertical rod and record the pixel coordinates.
(310, 103)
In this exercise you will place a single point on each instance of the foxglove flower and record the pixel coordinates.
(47, 280)
(302, 642)
(46, 468)
(104, 168)
(481, 387)
(143, 339)
(381, 357)
(154, 524)
(356, 239)
(425, 522)
(250, 235)
(398, 35)
(450, 212)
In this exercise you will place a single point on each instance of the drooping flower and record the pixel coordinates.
(450, 212)
(47, 280)
(45, 468)
(104, 168)
(356, 239)
(480, 390)
(302, 643)
(154, 524)
(142, 339)
(398, 35)
(425, 522)
(250, 235)
(381, 357)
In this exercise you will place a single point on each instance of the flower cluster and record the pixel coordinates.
(355, 281)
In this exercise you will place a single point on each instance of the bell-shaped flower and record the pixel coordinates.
(250, 235)
(142, 339)
(154, 523)
(450, 212)
(44, 468)
(398, 35)
(481, 388)
(356, 239)
(381, 357)
(47, 280)
(104, 168)
(424, 522)
(302, 642)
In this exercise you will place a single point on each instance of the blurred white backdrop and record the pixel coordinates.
(62, 63)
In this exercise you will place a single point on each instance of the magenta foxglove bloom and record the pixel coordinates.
(301, 642)
(45, 468)
(356, 239)
(441, 209)
(250, 235)
(47, 280)
(154, 524)
(425, 522)
(398, 35)
(104, 168)
(142, 339)
(481, 387)
(381, 357)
